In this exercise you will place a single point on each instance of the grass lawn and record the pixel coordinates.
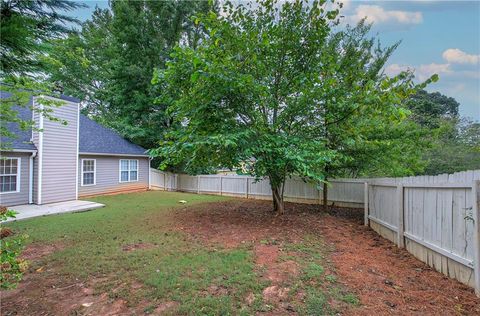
(130, 251)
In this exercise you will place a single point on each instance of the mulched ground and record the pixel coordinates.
(388, 280)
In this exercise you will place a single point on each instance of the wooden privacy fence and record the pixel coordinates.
(436, 218)
(437, 222)
(342, 192)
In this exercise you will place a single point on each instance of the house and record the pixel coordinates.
(56, 162)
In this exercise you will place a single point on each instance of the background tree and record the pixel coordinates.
(110, 63)
(431, 109)
(278, 90)
(27, 28)
(450, 143)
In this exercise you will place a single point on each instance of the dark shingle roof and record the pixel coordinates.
(23, 139)
(94, 138)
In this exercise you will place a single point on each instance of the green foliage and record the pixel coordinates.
(12, 267)
(455, 146)
(431, 109)
(449, 143)
(27, 27)
(110, 63)
(277, 91)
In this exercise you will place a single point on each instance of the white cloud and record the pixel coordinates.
(377, 15)
(395, 69)
(425, 71)
(457, 56)
(422, 72)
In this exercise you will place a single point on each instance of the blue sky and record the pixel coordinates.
(440, 37)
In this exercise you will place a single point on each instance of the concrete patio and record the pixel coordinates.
(33, 210)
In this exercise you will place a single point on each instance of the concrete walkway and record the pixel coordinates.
(33, 210)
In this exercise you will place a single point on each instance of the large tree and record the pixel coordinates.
(275, 89)
(28, 29)
(455, 146)
(431, 109)
(450, 143)
(110, 63)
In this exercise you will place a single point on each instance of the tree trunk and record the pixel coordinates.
(277, 197)
(325, 196)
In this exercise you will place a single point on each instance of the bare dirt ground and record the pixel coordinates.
(388, 280)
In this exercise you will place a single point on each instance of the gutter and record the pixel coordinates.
(108, 154)
(21, 150)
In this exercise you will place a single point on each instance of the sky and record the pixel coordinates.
(441, 37)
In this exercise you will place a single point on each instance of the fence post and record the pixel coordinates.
(198, 184)
(164, 181)
(476, 233)
(246, 187)
(365, 201)
(221, 185)
(401, 223)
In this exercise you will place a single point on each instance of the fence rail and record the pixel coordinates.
(436, 218)
(342, 192)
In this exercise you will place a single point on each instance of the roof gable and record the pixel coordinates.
(93, 137)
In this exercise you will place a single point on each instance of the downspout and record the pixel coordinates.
(149, 173)
(30, 176)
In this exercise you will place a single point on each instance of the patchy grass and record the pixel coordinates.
(131, 241)
(323, 294)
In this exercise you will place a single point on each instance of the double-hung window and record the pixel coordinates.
(128, 170)
(9, 175)
(88, 172)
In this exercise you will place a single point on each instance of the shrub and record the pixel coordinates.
(12, 267)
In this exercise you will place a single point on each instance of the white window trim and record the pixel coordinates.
(19, 166)
(120, 171)
(94, 172)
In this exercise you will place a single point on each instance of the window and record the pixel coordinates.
(88, 172)
(9, 175)
(128, 170)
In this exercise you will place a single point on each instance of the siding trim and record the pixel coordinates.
(116, 155)
(94, 173)
(19, 175)
(77, 157)
(40, 151)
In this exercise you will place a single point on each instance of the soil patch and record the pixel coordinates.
(388, 280)
(43, 291)
(137, 246)
(35, 252)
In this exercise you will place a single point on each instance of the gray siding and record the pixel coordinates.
(58, 153)
(16, 198)
(107, 176)
(35, 180)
